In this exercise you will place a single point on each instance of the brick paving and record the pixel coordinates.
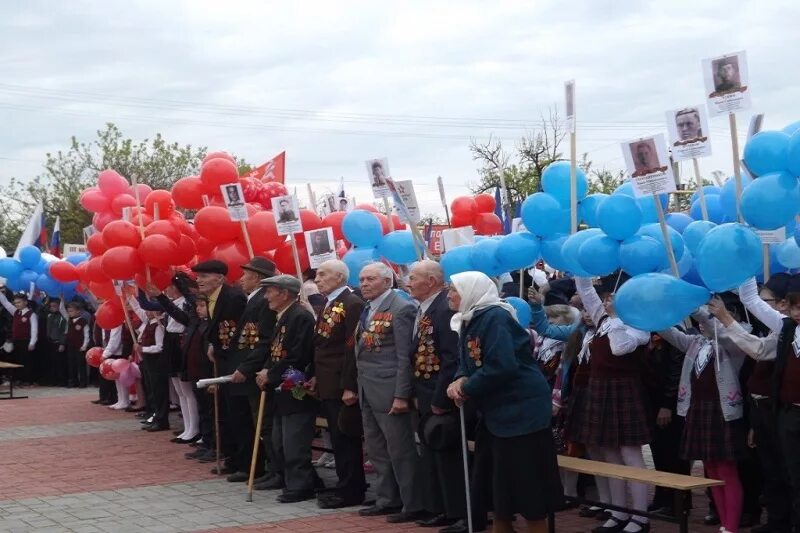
(69, 466)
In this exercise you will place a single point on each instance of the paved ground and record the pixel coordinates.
(67, 465)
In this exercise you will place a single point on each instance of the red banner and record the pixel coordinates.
(433, 234)
(272, 170)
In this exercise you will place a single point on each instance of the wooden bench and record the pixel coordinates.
(9, 394)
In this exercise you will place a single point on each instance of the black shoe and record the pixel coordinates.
(643, 528)
(223, 471)
(195, 454)
(157, 427)
(107, 402)
(294, 496)
(439, 520)
(379, 510)
(132, 409)
(616, 527)
(149, 420)
(404, 517)
(666, 510)
(96, 401)
(461, 527)
(337, 501)
(711, 519)
(273, 483)
(238, 477)
(142, 414)
(178, 440)
(210, 457)
(587, 512)
(178, 432)
(763, 528)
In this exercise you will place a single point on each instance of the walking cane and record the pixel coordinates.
(216, 424)
(254, 460)
(466, 466)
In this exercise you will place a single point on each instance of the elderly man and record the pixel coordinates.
(335, 379)
(291, 348)
(385, 383)
(434, 356)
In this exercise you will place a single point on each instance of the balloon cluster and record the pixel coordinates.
(369, 233)
(478, 212)
(42, 270)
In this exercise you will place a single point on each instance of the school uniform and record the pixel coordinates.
(77, 342)
(24, 335)
(110, 343)
(55, 356)
(151, 341)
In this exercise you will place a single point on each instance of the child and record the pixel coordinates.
(77, 342)
(710, 399)
(151, 342)
(24, 333)
(114, 350)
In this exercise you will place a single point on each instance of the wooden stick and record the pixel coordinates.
(296, 257)
(443, 199)
(388, 212)
(765, 260)
(217, 439)
(254, 460)
(247, 242)
(700, 191)
(127, 318)
(522, 284)
(667, 241)
(573, 183)
(737, 169)
(141, 222)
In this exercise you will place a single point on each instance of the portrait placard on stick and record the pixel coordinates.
(647, 161)
(377, 171)
(405, 188)
(775, 236)
(320, 246)
(726, 80)
(688, 133)
(234, 200)
(569, 100)
(287, 215)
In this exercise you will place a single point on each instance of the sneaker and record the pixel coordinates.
(323, 459)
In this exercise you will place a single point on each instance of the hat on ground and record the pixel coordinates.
(212, 266)
(440, 432)
(283, 281)
(260, 265)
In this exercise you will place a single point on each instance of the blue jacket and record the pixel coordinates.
(543, 327)
(503, 379)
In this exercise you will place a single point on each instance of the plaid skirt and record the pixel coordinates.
(708, 437)
(616, 413)
(575, 418)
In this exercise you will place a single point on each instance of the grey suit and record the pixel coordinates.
(384, 373)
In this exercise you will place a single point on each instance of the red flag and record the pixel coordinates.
(272, 170)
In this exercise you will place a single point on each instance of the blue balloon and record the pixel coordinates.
(30, 256)
(771, 201)
(517, 250)
(793, 154)
(788, 253)
(654, 231)
(27, 277)
(362, 228)
(523, 310)
(619, 216)
(456, 260)
(569, 250)
(679, 221)
(556, 181)
(640, 255)
(727, 256)
(402, 294)
(695, 232)
(707, 189)
(792, 128)
(398, 247)
(653, 302)
(10, 268)
(551, 252)
(587, 209)
(767, 151)
(77, 259)
(713, 208)
(544, 216)
(599, 255)
(358, 258)
(646, 203)
(48, 285)
(483, 257)
(685, 264)
(728, 196)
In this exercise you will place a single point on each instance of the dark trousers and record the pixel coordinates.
(254, 398)
(77, 373)
(777, 490)
(243, 432)
(442, 475)
(348, 453)
(788, 422)
(666, 458)
(205, 409)
(157, 377)
(481, 494)
(22, 356)
(291, 440)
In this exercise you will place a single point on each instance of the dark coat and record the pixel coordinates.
(334, 343)
(291, 345)
(249, 345)
(434, 356)
(222, 324)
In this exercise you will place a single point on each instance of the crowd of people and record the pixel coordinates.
(390, 364)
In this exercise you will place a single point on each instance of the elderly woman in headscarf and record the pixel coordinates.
(498, 374)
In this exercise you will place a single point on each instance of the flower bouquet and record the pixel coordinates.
(293, 381)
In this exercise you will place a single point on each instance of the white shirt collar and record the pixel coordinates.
(335, 294)
(374, 304)
(250, 296)
(428, 301)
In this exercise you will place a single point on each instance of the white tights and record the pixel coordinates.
(188, 403)
(123, 396)
(629, 456)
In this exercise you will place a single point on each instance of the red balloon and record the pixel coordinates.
(284, 260)
(120, 202)
(96, 245)
(310, 220)
(158, 250)
(103, 290)
(233, 254)
(263, 231)
(384, 222)
(186, 251)
(367, 207)
(121, 233)
(162, 199)
(464, 206)
(251, 188)
(488, 224)
(458, 220)
(213, 155)
(273, 189)
(204, 247)
(145, 219)
(142, 189)
(188, 193)
(107, 371)
(397, 223)
(485, 203)
(94, 356)
(163, 227)
(334, 220)
(111, 183)
(160, 278)
(93, 200)
(122, 262)
(94, 270)
(218, 171)
(215, 224)
(101, 220)
(63, 271)
(81, 269)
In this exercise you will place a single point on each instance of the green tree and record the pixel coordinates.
(605, 181)
(67, 173)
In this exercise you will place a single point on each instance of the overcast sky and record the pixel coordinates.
(336, 83)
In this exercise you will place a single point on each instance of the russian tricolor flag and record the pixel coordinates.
(55, 241)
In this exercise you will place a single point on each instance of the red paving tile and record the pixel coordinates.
(57, 410)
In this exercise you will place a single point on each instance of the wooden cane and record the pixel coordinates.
(216, 424)
(254, 460)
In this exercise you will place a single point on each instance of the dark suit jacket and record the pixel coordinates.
(435, 345)
(334, 343)
(291, 345)
(250, 341)
(222, 325)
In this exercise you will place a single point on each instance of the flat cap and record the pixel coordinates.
(283, 281)
(260, 265)
(212, 266)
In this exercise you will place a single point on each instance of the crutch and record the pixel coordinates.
(254, 460)
(466, 467)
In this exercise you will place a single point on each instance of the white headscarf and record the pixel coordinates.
(477, 292)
